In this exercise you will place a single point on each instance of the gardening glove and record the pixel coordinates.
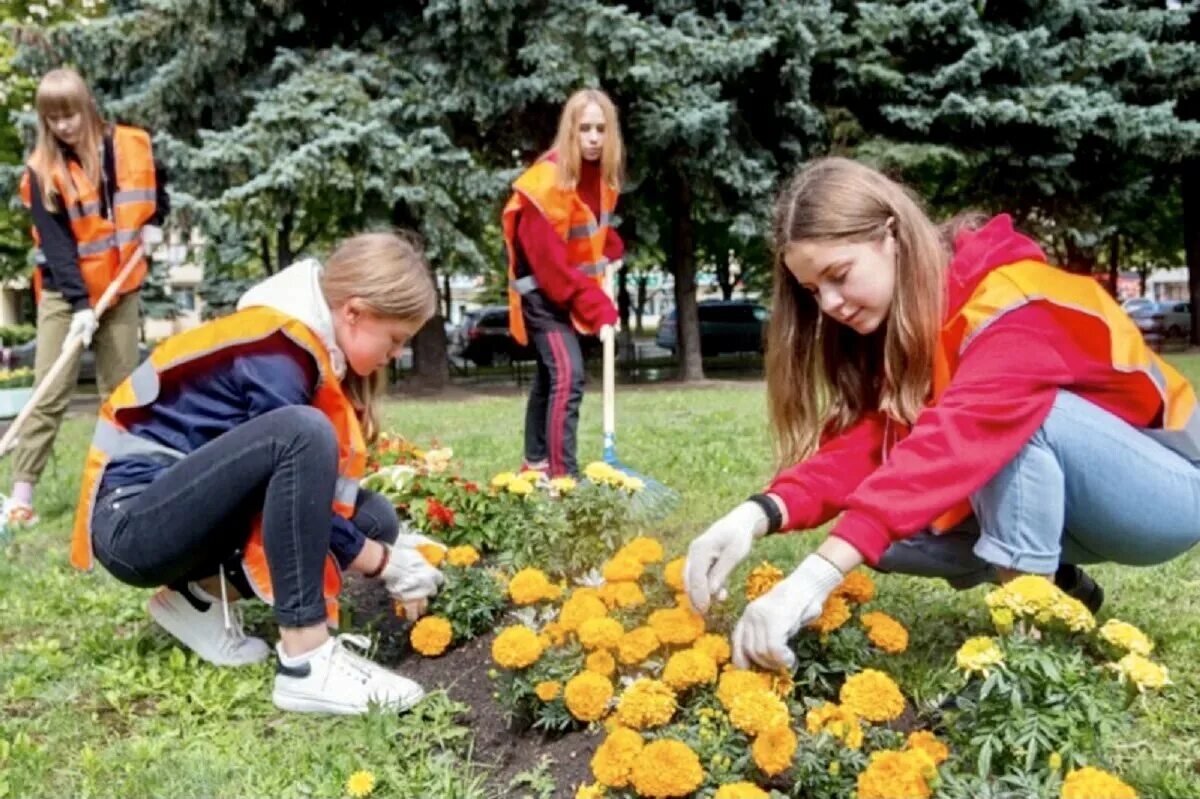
(761, 635)
(83, 325)
(717, 552)
(411, 540)
(410, 579)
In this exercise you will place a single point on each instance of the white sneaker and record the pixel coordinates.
(207, 632)
(337, 680)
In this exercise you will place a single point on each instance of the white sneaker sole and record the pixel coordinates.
(306, 703)
(171, 621)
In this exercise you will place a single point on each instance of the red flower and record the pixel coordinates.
(439, 515)
(471, 488)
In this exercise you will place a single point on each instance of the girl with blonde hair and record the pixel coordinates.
(969, 410)
(95, 192)
(559, 236)
(228, 465)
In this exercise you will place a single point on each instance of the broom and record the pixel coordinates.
(655, 501)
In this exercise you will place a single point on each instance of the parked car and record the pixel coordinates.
(23, 355)
(483, 338)
(725, 326)
(1137, 304)
(1164, 319)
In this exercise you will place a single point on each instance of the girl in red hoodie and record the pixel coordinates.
(970, 411)
(557, 228)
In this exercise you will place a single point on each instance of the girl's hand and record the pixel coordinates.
(761, 635)
(719, 550)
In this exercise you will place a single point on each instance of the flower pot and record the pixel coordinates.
(12, 400)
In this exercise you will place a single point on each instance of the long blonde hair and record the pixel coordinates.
(389, 274)
(822, 376)
(566, 141)
(62, 92)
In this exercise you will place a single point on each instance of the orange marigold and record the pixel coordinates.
(431, 635)
(676, 625)
(637, 645)
(773, 749)
(857, 587)
(587, 696)
(835, 613)
(612, 764)
(885, 632)
(872, 695)
(666, 768)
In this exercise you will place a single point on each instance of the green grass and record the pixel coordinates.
(95, 701)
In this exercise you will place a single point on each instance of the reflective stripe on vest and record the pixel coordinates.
(1007, 288)
(584, 233)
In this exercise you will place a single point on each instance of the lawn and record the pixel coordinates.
(95, 701)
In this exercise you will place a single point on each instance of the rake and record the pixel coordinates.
(655, 501)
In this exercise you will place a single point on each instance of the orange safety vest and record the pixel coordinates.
(104, 242)
(571, 219)
(172, 360)
(1010, 287)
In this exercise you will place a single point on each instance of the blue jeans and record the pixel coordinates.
(1086, 488)
(196, 514)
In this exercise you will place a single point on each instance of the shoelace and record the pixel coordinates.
(235, 632)
(352, 660)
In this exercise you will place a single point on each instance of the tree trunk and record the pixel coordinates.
(447, 299)
(642, 282)
(724, 278)
(683, 266)
(431, 362)
(623, 301)
(283, 241)
(1191, 236)
(1114, 267)
(264, 244)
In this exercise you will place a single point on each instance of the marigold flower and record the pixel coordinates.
(872, 695)
(563, 485)
(761, 580)
(928, 743)
(896, 775)
(1092, 783)
(431, 635)
(752, 712)
(838, 722)
(637, 645)
(464, 556)
(978, 655)
(741, 790)
(580, 607)
(834, 614)
(531, 585)
(516, 647)
(502, 479)
(1126, 636)
(622, 595)
(587, 696)
(666, 768)
(1141, 672)
(643, 549)
(646, 703)
(774, 749)
(673, 574)
(521, 488)
(593, 791)
(857, 587)
(716, 646)
(885, 632)
(548, 690)
(677, 625)
(612, 764)
(735, 682)
(622, 569)
(601, 633)
(601, 662)
(434, 555)
(689, 667)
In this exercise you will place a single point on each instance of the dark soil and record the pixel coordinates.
(462, 672)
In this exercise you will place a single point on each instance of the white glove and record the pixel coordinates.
(411, 540)
(719, 550)
(761, 635)
(606, 333)
(409, 578)
(151, 235)
(83, 325)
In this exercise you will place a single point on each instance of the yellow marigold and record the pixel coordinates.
(666, 768)
(978, 654)
(433, 554)
(548, 690)
(613, 762)
(593, 791)
(637, 645)
(622, 569)
(677, 625)
(1028, 595)
(735, 682)
(1073, 613)
(531, 476)
(531, 585)
(835, 613)
(838, 722)
(646, 703)
(580, 607)
(465, 555)
(716, 646)
(781, 683)
(872, 695)
(928, 743)
(602, 633)
(360, 784)
(554, 633)
(601, 662)
(774, 749)
(521, 488)
(1092, 783)
(761, 580)
(741, 790)
(622, 595)
(1141, 672)
(753, 712)
(673, 574)
(563, 485)
(431, 635)
(885, 632)
(1126, 636)
(1003, 619)
(600, 472)
(857, 587)
(643, 549)
(502, 479)
(516, 647)
(587, 695)
(689, 667)
(633, 484)
(895, 775)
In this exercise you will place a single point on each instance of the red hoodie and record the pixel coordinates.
(998, 397)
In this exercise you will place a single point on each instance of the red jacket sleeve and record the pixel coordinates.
(815, 490)
(992, 407)
(564, 285)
